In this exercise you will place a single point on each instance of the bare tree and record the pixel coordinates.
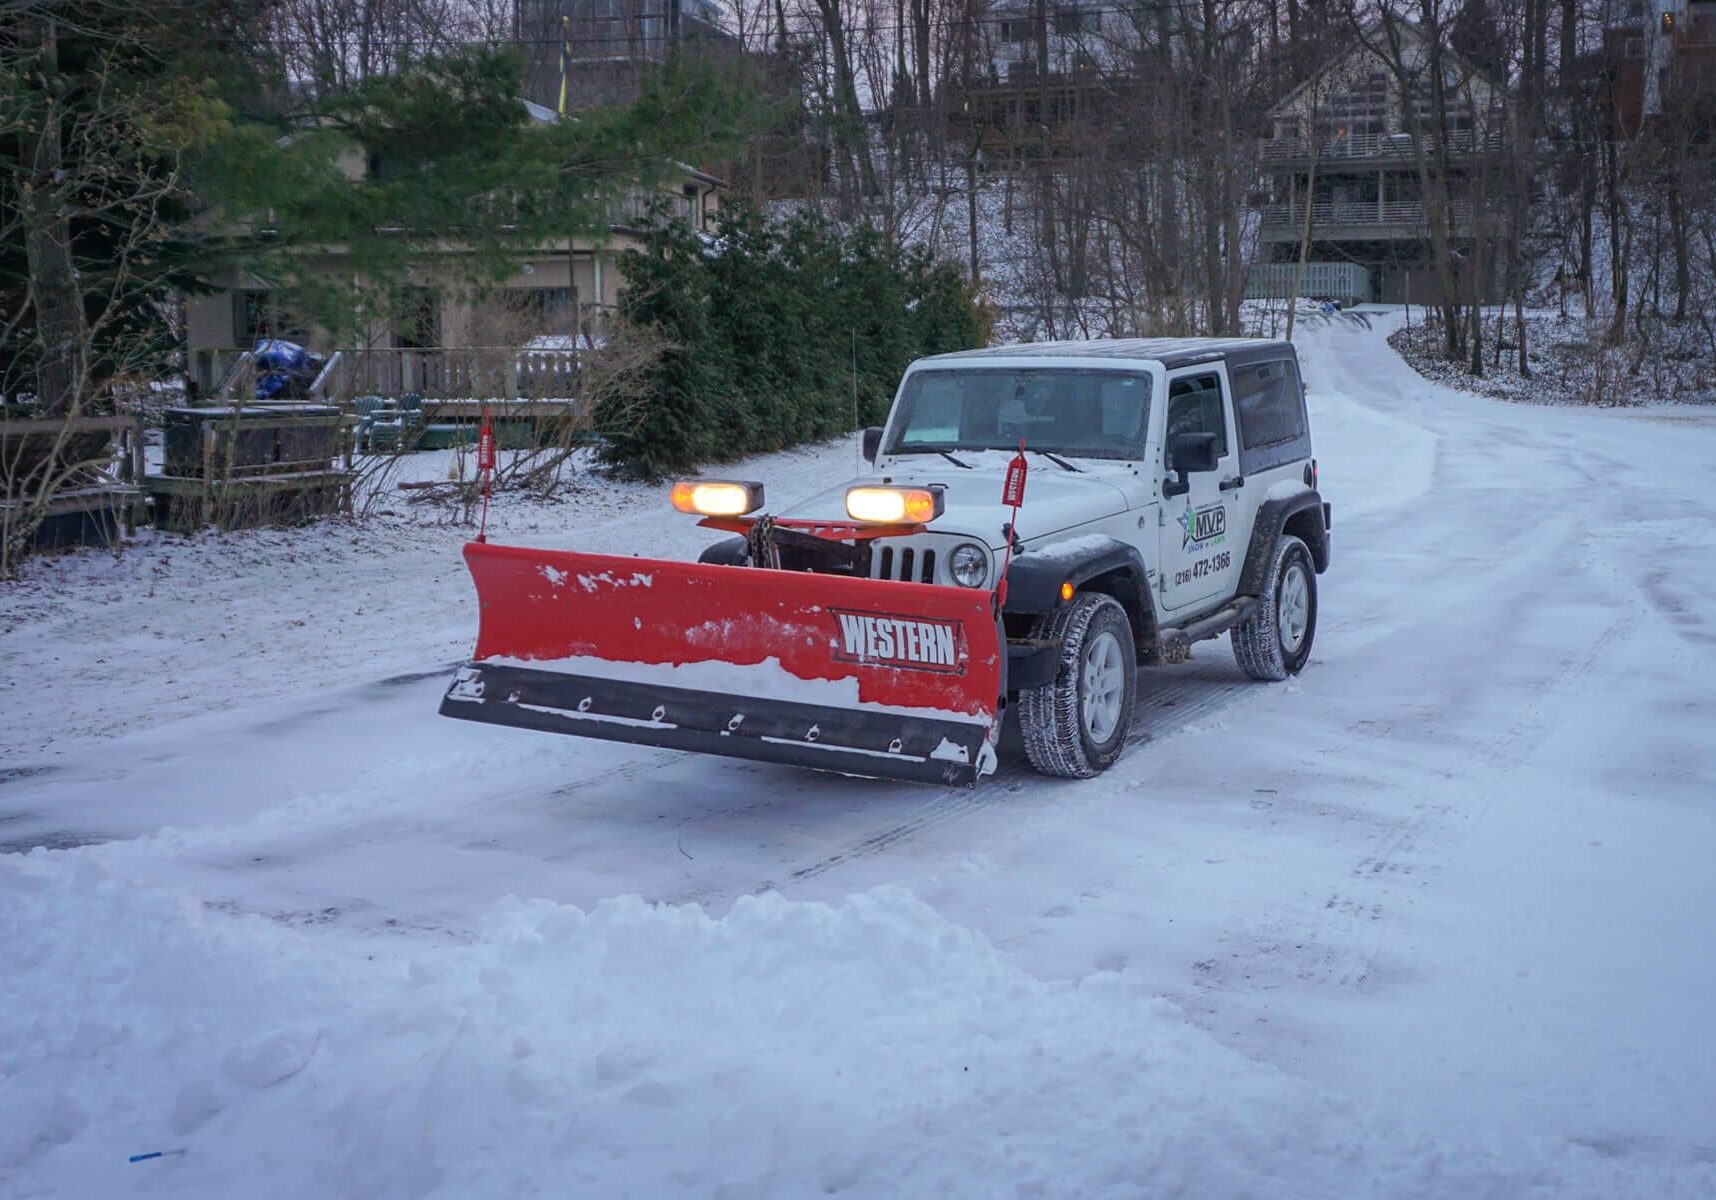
(75, 350)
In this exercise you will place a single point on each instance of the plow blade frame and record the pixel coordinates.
(682, 719)
(745, 662)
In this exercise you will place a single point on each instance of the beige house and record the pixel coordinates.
(558, 292)
(1343, 166)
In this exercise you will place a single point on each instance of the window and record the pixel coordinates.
(1090, 414)
(1194, 406)
(255, 317)
(1268, 405)
(417, 320)
(1073, 22)
(542, 309)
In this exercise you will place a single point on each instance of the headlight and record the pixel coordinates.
(893, 506)
(717, 497)
(969, 566)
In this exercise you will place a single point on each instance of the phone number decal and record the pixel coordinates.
(1204, 567)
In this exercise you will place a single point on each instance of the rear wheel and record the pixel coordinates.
(1275, 641)
(1077, 726)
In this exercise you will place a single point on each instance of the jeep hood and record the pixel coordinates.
(1055, 499)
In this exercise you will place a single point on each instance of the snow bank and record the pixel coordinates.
(787, 1049)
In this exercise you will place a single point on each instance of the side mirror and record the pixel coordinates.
(1189, 453)
(872, 442)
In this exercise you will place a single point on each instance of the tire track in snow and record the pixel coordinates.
(1396, 861)
(1185, 694)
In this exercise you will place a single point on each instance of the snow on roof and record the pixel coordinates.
(1168, 351)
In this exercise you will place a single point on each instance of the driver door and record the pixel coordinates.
(1199, 558)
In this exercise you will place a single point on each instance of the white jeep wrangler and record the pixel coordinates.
(1172, 497)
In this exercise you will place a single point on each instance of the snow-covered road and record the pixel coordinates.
(1436, 917)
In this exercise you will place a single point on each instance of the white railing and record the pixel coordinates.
(1375, 145)
(327, 379)
(234, 370)
(1329, 213)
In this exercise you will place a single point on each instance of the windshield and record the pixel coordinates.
(1091, 414)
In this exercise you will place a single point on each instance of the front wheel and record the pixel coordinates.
(1076, 726)
(1275, 641)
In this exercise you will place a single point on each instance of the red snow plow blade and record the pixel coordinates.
(869, 677)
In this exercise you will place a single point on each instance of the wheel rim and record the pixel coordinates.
(1102, 686)
(1294, 608)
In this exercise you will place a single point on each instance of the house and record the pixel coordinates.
(1046, 75)
(1660, 56)
(558, 292)
(1349, 153)
(602, 49)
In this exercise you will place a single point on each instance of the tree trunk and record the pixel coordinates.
(921, 49)
(971, 209)
(1569, 39)
(1614, 208)
(850, 124)
(1304, 230)
(47, 247)
(1682, 251)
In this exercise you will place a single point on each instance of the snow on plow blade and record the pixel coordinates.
(871, 677)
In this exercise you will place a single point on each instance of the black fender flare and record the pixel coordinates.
(1303, 514)
(1034, 578)
(1090, 562)
(1106, 563)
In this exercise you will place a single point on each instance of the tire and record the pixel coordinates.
(1063, 734)
(1275, 641)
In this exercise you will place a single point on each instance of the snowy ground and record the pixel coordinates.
(1571, 361)
(1436, 918)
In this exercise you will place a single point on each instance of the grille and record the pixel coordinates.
(909, 565)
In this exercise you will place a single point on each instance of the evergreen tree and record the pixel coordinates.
(783, 332)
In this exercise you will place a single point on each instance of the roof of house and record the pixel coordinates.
(1170, 352)
(1364, 46)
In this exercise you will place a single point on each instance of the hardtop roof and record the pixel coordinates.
(1170, 352)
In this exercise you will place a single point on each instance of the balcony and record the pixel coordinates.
(1395, 147)
(1350, 220)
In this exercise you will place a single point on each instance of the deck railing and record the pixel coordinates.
(1375, 145)
(455, 373)
(1329, 213)
(435, 373)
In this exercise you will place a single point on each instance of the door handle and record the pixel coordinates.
(1238, 481)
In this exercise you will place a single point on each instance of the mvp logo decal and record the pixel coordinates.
(1203, 525)
(916, 642)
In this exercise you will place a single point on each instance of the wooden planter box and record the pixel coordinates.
(240, 466)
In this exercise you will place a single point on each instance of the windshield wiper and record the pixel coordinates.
(933, 450)
(1055, 458)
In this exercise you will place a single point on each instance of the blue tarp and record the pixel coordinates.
(280, 365)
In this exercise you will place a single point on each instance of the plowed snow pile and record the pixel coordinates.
(788, 1049)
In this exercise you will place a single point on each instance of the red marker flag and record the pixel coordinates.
(1012, 495)
(1013, 487)
(486, 468)
(486, 445)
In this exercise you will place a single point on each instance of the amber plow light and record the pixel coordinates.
(717, 498)
(893, 506)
